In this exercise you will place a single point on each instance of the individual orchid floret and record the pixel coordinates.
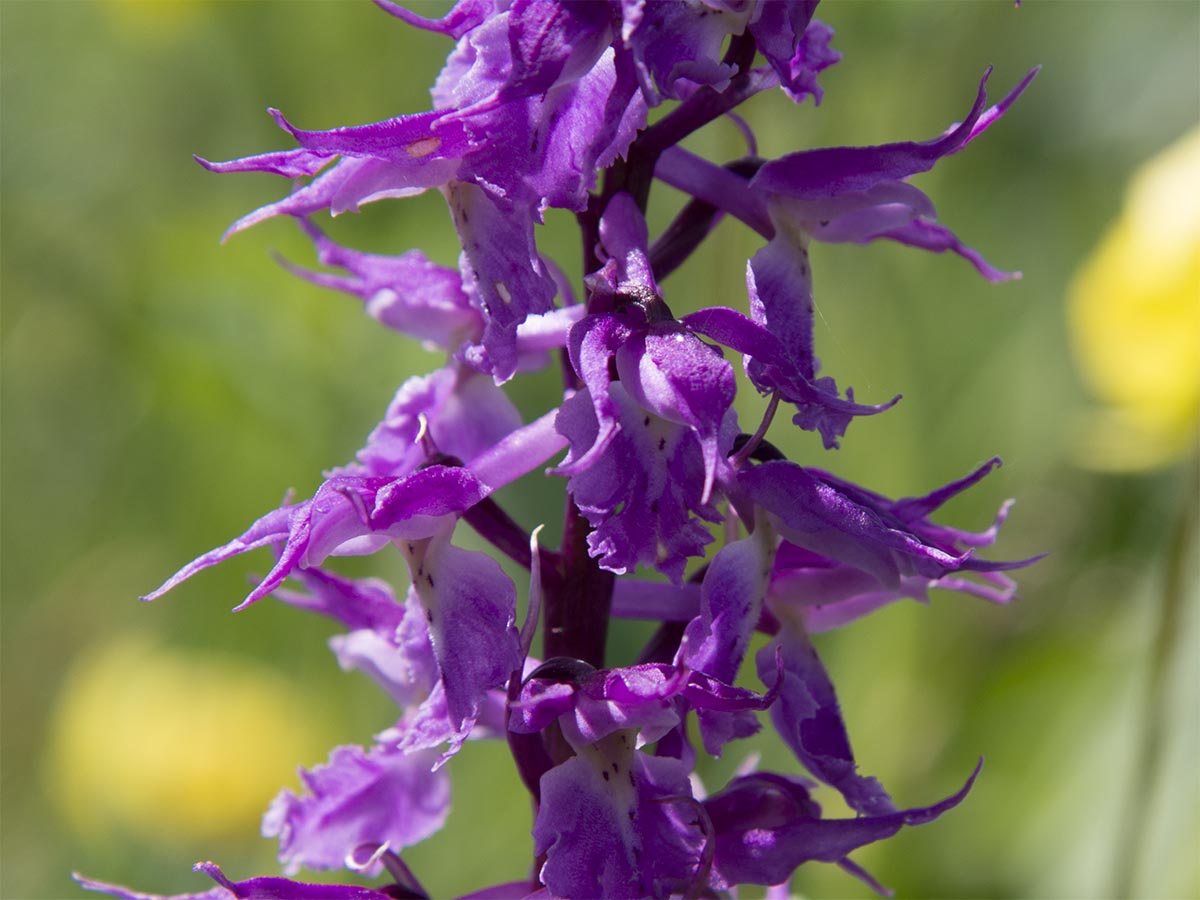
(455, 411)
(406, 293)
(834, 195)
(829, 594)
(638, 478)
(503, 273)
(678, 45)
(348, 516)
(652, 428)
(859, 194)
(354, 515)
(392, 644)
(374, 797)
(781, 360)
(470, 606)
(716, 640)
(832, 518)
(795, 44)
(614, 821)
(808, 717)
(591, 704)
(766, 825)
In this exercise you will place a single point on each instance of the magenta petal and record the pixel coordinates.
(678, 377)
(715, 642)
(939, 239)
(551, 41)
(796, 47)
(465, 15)
(410, 140)
(766, 827)
(731, 598)
(366, 603)
(809, 719)
(407, 293)
(417, 505)
(461, 411)
(288, 163)
(643, 492)
(818, 516)
(502, 272)
(470, 605)
(116, 890)
(318, 194)
(607, 827)
(264, 888)
(272, 528)
(360, 797)
(828, 172)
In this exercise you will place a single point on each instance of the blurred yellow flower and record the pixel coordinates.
(1135, 319)
(174, 745)
(155, 20)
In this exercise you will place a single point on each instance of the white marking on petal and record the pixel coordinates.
(423, 147)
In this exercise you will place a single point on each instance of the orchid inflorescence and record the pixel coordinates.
(545, 105)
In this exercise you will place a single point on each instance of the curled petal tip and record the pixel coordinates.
(281, 121)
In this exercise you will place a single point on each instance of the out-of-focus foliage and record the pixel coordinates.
(160, 391)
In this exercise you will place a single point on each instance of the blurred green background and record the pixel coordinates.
(160, 391)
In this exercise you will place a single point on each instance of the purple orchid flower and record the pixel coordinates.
(764, 826)
(544, 105)
(648, 444)
(381, 796)
(833, 195)
(407, 293)
(796, 46)
(615, 821)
